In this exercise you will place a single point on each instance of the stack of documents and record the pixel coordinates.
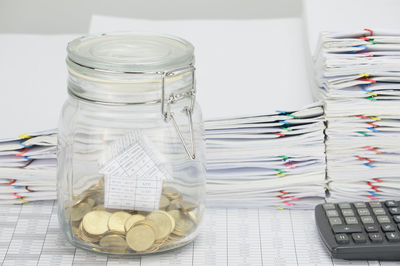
(267, 160)
(358, 75)
(28, 167)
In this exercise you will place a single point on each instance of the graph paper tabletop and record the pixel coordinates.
(30, 235)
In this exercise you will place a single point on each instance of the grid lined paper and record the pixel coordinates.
(30, 235)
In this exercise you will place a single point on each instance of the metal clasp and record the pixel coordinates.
(166, 107)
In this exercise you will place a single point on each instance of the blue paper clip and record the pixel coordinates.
(24, 145)
(369, 165)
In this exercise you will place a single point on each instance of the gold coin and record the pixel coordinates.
(176, 214)
(193, 216)
(83, 196)
(151, 224)
(133, 220)
(116, 242)
(187, 205)
(171, 193)
(91, 202)
(164, 202)
(174, 205)
(76, 231)
(172, 221)
(117, 220)
(140, 237)
(99, 208)
(79, 211)
(96, 222)
(85, 236)
(99, 197)
(163, 223)
(183, 226)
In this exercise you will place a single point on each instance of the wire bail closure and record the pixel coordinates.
(166, 107)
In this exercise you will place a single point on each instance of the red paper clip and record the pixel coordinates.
(372, 124)
(368, 54)
(28, 189)
(370, 31)
(288, 203)
(28, 163)
(372, 149)
(22, 152)
(364, 158)
(369, 80)
(374, 187)
(371, 197)
(290, 164)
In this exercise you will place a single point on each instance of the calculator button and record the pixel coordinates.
(391, 203)
(394, 210)
(363, 212)
(348, 212)
(383, 219)
(388, 228)
(375, 204)
(367, 220)
(329, 206)
(335, 221)
(351, 220)
(396, 218)
(360, 205)
(379, 211)
(344, 205)
(349, 228)
(371, 228)
(375, 237)
(332, 213)
(359, 238)
(342, 238)
(393, 236)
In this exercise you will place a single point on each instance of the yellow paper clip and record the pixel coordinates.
(22, 200)
(365, 75)
(373, 93)
(23, 136)
(375, 118)
(279, 207)
(280, 175)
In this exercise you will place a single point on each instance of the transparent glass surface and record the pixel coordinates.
(103, 109)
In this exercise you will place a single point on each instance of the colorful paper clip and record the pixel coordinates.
(363, 133)
(24, 136)
(370, 32)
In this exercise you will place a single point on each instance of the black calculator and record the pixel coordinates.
(360, 230)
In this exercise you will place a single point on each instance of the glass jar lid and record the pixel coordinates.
(131, 53)
(129, 68)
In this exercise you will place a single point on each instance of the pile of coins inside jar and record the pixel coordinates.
(125, 231)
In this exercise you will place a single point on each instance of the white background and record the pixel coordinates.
(276, 47)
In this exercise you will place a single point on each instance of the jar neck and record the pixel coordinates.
(128, 87)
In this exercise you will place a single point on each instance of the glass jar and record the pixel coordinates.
(131, 166)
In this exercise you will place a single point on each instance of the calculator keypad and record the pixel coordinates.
(360, 222)
(348, 228)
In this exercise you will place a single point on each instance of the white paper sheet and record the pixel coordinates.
(30, 235)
